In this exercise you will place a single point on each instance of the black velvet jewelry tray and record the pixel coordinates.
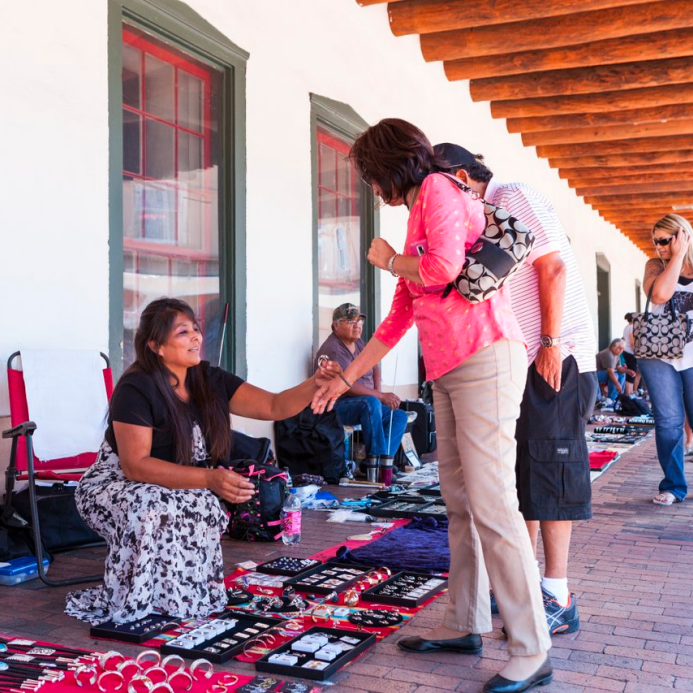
(366, 640)
(394, 508)
(432, 490)
(374, 593)
(136, 631)
(297, 584)
(271, 568)
(244, 621)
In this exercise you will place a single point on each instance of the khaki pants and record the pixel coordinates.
(477, 405)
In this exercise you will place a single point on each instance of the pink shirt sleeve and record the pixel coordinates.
(399, 319)
(446, 213)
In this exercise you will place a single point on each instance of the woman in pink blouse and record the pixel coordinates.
(476, 357)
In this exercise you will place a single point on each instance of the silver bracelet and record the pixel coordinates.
(391, 265)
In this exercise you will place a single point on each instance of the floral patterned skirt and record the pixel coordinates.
(164, 547)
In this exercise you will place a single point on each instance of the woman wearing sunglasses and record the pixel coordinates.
(670, 381)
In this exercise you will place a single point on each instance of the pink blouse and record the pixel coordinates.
(443, 224)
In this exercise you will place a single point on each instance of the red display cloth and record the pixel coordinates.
(601, 460)
(69, 685)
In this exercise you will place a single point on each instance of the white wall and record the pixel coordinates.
(53, 172)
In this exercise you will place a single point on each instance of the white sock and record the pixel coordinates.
(558, 587)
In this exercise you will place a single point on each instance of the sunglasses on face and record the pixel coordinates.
(663, 241)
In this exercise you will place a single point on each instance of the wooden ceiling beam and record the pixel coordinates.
(366, 3)
(634, 176)
(608, 132)
(584, 80)
(672, 44)
(637, 201)
(647, 186)
(554, 32)
(635, 116)
(601, 161)
(643, 144)
(649, 97)
(429, 16)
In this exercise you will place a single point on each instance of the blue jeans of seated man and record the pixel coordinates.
(374, 418)
(671, 392)
(603, 377)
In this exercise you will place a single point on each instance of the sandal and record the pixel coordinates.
(665, 498)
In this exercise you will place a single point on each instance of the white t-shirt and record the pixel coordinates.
(539, 215)
(627, 333)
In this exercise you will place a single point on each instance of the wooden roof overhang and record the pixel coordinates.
(602, 88)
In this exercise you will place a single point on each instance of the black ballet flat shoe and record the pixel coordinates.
(541, 677)
(467, 644)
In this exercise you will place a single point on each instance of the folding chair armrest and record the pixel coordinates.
(25, 429)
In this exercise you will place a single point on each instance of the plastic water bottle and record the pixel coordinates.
(291, 520)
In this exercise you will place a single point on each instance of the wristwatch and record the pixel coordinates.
(548, 342)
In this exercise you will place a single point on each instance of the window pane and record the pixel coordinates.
(158, 88)
(190, 94)
(339, 230)
(160, 150)
(132, 83)
(171, 185)
(132, 133)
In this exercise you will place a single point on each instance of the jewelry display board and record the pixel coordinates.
(288, 565)
(317, 654)
(406, 589)
(327, 578)
(137, 631)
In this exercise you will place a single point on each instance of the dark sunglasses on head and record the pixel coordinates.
(663, 241)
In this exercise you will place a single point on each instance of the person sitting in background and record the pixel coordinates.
(610, 372)
(154, 491)
(628, 356)
(382, 421)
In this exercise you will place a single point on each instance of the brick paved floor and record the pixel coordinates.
(631, 567)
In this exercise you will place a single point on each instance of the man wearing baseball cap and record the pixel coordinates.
(364, 403)
(548, 299)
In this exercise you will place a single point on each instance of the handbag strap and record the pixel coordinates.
(463, 186)
(649, 297)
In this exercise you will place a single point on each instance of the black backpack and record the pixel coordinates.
(312, 444)
(632, 406)
(258, 519)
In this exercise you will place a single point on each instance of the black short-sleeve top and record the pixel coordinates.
(137, 400)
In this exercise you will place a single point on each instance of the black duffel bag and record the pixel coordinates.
(61, 525)
(312, 444)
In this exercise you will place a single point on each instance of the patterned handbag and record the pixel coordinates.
(497, 254)
(662, 335)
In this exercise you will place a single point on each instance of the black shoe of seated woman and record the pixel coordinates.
(467, 644)
(541, 677)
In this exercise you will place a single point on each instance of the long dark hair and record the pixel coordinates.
(156, 325)
(396, 156)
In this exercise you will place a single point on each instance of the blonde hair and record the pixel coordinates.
(673, 223)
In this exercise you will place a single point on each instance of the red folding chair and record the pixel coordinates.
(25, 466)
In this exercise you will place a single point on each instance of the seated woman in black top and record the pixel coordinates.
(153, 492)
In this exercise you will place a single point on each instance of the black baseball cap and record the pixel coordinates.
(455, 155)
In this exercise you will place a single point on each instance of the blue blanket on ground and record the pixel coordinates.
(420, 546)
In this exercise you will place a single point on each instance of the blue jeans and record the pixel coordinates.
(603, 377)
(671, 392)
(374, 418)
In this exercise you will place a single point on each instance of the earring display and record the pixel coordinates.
(219, 639)
(136, 631)
(288, 565)
(406, 589)
(327, 578)
(236, 596)
(316, 654)
(375, 618)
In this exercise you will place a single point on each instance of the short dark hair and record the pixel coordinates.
(477, 171)
(628, 317)
(395, 155)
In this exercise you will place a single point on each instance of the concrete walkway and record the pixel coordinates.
(632, 569)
